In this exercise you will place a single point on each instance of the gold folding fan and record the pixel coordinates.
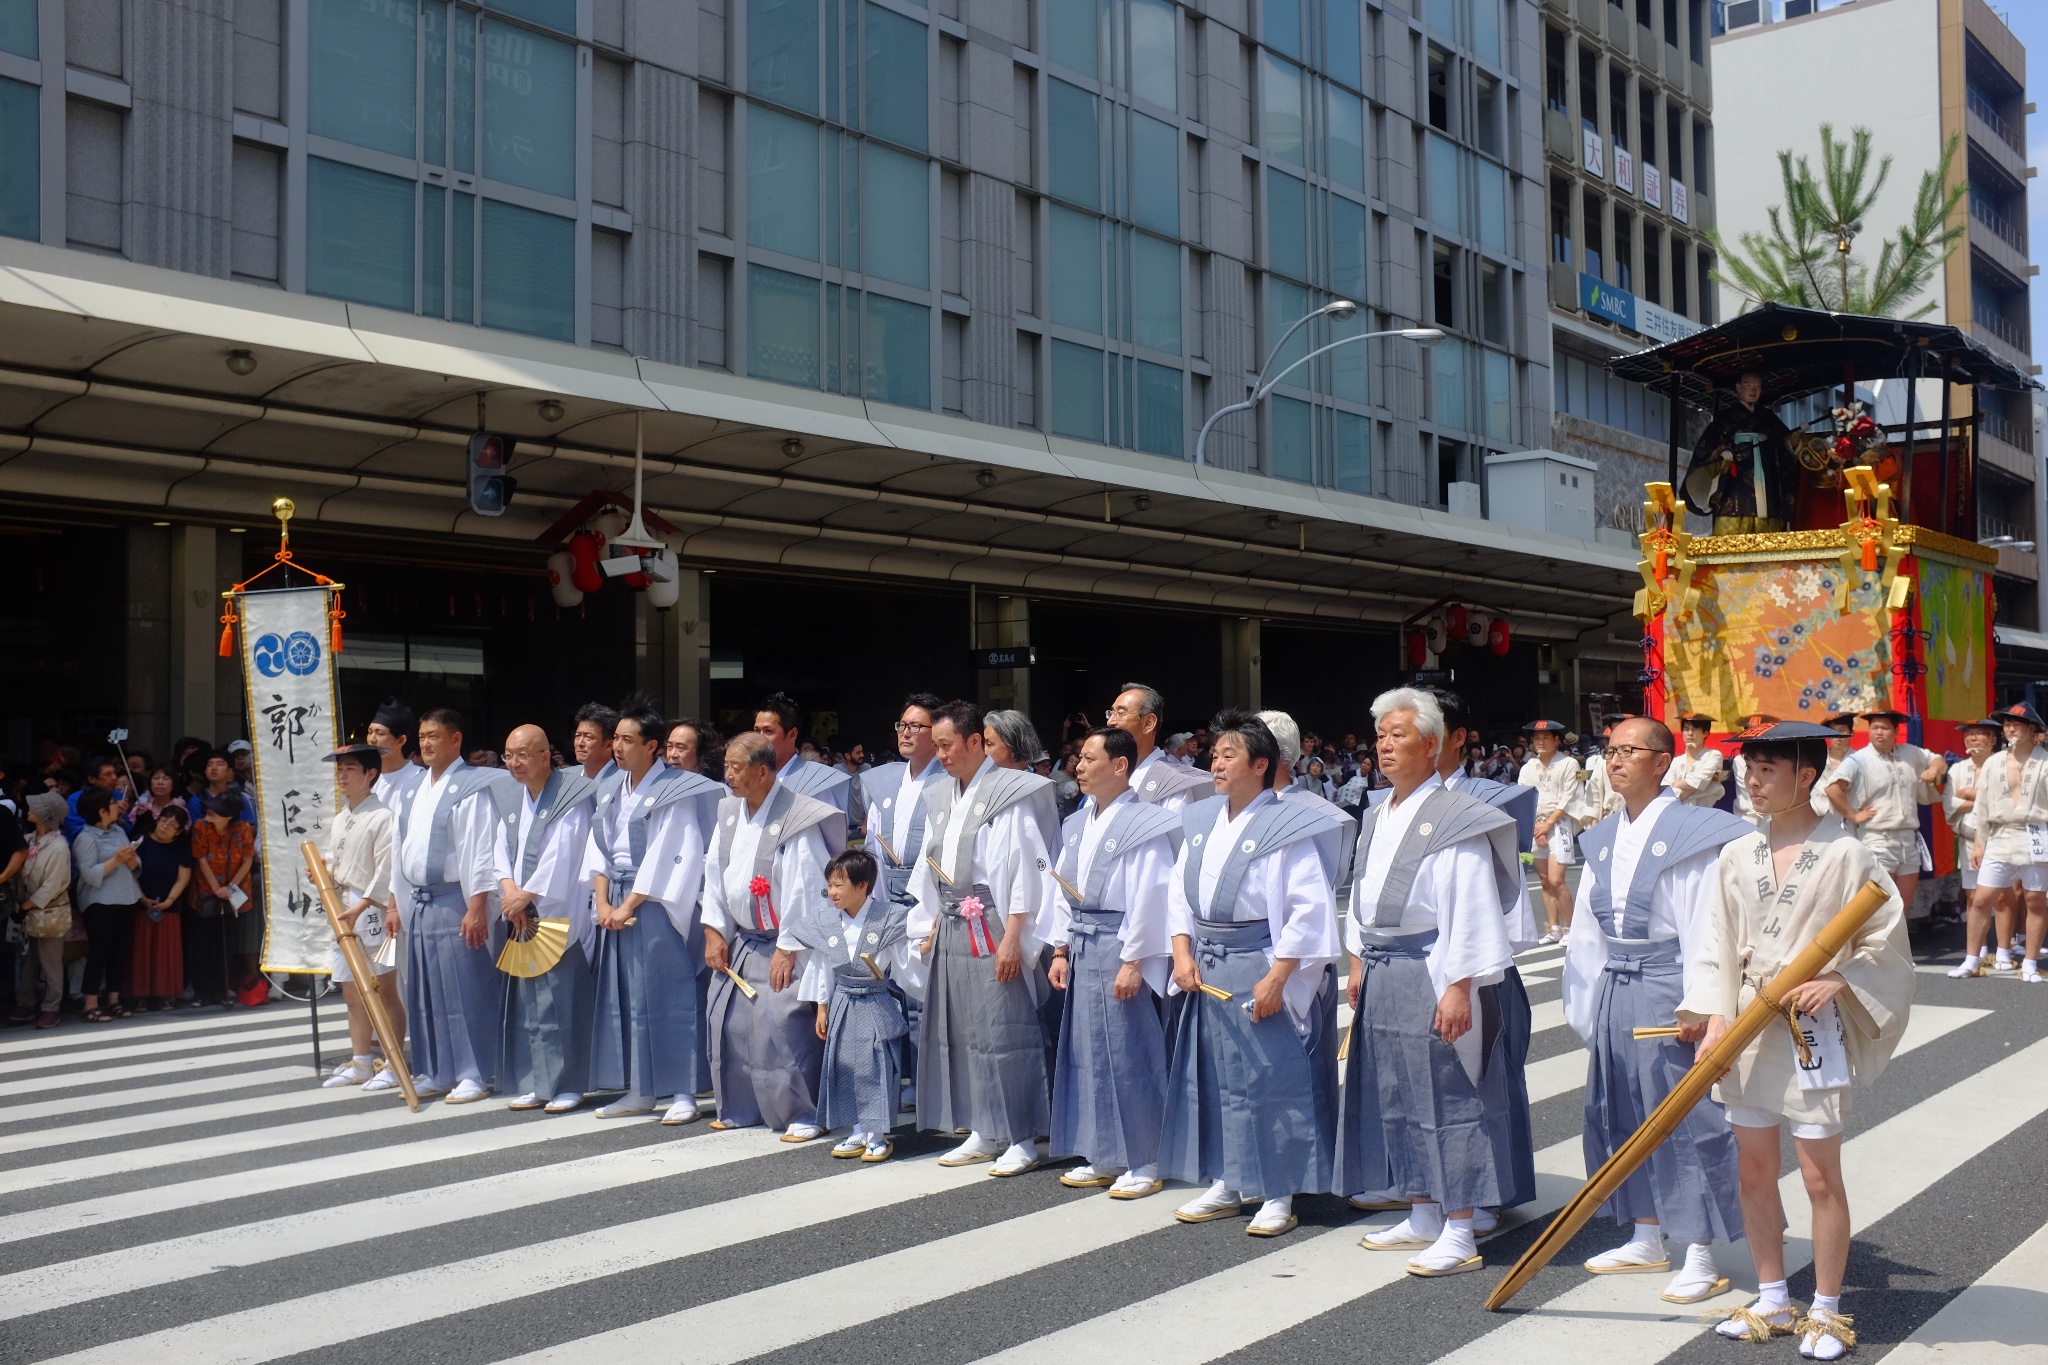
(538, 951)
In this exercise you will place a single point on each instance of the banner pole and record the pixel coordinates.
(313, 1016)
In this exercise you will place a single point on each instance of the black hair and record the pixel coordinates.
(788, 715)
(1800, 753)
(646, 717)
(448, 718)
(1117, 744)
(927, 702)
(856, 865)
(370, 763)
(964, 716)
(710, 744)
(1258, 741)
(92, 802)
(95, 766)
(600, 715)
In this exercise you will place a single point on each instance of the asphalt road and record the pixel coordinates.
(178, 1189)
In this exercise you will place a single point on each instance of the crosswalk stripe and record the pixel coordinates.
(1611, 1319)
(13, 1114)
(199, 1061)
(164, 1120)
(98, 1212)
(21, 1044)
(339, 1315)
(87, 1062)
(130, 1268)
(1996, 1321)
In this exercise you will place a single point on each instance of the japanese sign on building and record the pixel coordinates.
(289, 671)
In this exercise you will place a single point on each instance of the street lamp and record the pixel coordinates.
(1338, 308)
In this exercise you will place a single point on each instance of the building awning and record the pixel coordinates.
(116, 393)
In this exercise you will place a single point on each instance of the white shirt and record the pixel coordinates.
(1136, 885)
(903, 814)
(359, 852)
(796, 876)
(1556, 782)
(1288, 889)
(671, 862)
(1008, 855)
(472, 842)
(1701, 772)
(1891, 782)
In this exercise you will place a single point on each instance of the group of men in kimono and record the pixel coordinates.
(1155, 982)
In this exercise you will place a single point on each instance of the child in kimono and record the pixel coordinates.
(854, 944)
(1772, 893)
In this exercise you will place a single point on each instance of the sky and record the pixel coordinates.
(2028, 19)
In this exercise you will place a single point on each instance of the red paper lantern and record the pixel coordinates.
(1457, 620)
(1499, 637)
(584, 548)
(1418, 648)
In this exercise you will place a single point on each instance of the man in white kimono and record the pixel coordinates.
(592, 743)
(391, 732)
(540, 861)
(1111, 954)
(765, 871)
(1158, 780)
(1773, 892)
(1879, 790)
(781, 722)
(443, 880)
(1428, 1097)
(2011, 846)
(1959, 806)
(983, 890)
(1556, 777)
(1696, 773)
(895, 827)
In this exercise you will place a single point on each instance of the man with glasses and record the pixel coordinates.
(1641, 904)
(894, 801)
(1157, 780)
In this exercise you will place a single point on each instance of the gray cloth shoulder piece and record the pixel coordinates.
(1132, 826)
(1164, 780)
(1334, 844)
(1278, 825)
(1445, 818)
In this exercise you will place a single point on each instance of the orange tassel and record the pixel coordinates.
(1869, 556)
(227, 633)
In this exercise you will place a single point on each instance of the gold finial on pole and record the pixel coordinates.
(283, 509)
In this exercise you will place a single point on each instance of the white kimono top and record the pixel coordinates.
(560, 886)
(1891, 782)
(1136, 885)
(1702, 772)
(673, 860)
(472, 846)
(2002, 821)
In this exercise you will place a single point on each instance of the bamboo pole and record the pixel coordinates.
(359, 967)
(1709, 1069)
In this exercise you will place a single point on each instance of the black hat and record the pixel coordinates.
(1543, 727)
(1895, 717)
(358, 753)
(1696, 718)
(1995, 724)
(395, 716)
(1784, 731)
(2020, 711)
(1847, 718)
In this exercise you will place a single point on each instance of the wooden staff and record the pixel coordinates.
(1753, 1020)
(359, 967)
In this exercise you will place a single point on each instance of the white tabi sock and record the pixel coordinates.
(1967, 967)
(1453, 1247)
(1217, 1196)
(1020, 1154)
(1699, 1274)
(1424, 1223)
(1824, 1345)
(1139, 1178)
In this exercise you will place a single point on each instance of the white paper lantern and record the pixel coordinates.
(561, 565)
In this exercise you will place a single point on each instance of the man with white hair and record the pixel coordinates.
(1157, 780)
(1427, 1108)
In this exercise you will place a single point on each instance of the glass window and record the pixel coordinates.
(1442, 17)
(1286, 304)
(1280, 26)
(21, 160)
(1493, 207)
(1354, 453)
(1448, 359)
(895, 85)
(463, 131)
(1293, 449)
(1349, 365)
(782, 183)
(1486, 30)
(555, 14)
(1489, 102)
(1499, 396)
(433, 250)
(896, 351)
(1443, 184)
(1595, 238)
(1344, 60)
(1161, 427)
(1155, 174)
(529, 275)
(1287, 224)
(1281, 123)
(1076, 391)
(18, 28)
(529, 110)
(782, 326)
(1075, 145)
(782, 52)
(1493, 303)
(1155, 289)
(1347, 249)
(434, 93)
(1155, 62)
(1072, 34)
(359, 85)
(1076, 275)
(462, 261)
(896, 190)
(358, 235)
(1347, 138)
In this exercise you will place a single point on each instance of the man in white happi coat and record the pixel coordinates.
(1556, 776)
(1879, 790)
(983, 889)
(444, 878)
(359, 851)
(542, 841)
(1159, 779)
(1428, 1099)
(1697, 772)
(781, 722)
(1959, 805)
(764, 871)
(2011, 845)
(1839, 748)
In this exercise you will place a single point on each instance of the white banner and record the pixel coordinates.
(294, 726)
